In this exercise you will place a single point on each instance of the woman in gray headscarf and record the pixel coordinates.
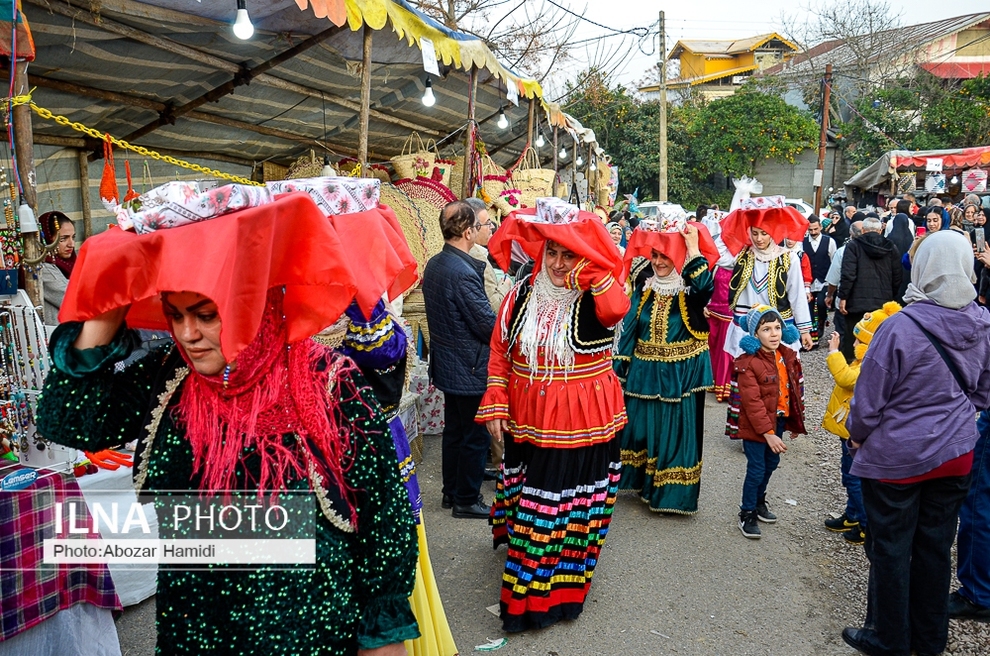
(911, 426)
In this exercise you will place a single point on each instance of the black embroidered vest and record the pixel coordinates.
(587, 334)
(742, 273)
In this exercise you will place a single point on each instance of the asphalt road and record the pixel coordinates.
(665, 584)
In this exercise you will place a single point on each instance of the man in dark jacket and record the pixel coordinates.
(461, 322)
(871, 276)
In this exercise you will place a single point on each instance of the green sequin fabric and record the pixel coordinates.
(356, 597)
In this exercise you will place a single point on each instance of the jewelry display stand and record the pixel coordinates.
(24, 362)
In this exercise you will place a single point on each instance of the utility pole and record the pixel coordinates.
(662, 195)
(823, 140)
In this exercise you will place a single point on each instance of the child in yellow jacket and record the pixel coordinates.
(852, 522)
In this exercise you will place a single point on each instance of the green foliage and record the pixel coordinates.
(730, 135)
(706, 141)
(920, 113)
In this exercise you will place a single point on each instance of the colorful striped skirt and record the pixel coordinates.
(553, 508)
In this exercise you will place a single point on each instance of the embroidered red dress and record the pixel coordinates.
(561, 466)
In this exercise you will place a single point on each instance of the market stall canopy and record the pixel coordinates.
(170, 75)
(880, 171)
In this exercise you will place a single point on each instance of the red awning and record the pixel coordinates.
(951, 159)
(958, 70)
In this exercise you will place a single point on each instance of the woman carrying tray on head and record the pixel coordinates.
(243, 401)
(662, 361)
(554, 399)
(719, 316)
(763, 271)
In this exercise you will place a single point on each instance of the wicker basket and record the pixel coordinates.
(407, 212)
(429, 197)
(307, 166)
(457, 175)
(415, 158)
(532, 181)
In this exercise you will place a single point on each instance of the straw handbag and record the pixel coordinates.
(442, 168)
(456, 174)
(415, 159)
(493, 180)
(532, 181)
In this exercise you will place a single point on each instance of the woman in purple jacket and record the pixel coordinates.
(913, 431)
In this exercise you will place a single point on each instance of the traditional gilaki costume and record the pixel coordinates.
(662, 361)
(771, 276)
(287, 414)
(550, 377)
(719, 316)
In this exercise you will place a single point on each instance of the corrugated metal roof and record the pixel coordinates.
(74, 51)
(888, 45)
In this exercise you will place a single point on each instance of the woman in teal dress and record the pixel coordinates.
(662, 361)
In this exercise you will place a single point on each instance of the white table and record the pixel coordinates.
(134, 583)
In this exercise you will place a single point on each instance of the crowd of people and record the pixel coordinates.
(727, 304)
(575, 355)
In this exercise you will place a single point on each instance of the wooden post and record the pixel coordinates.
(24, 151)
(467, 185)
(823, 139)
(365, 99)
(530, 121)
(87, 212)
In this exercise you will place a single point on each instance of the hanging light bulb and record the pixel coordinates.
(954, 180)
(502, 121)
(428, 98)
(243, 28)
(327, 171)
(580, 161)
(593, 167)
(563, 153)
(539, 140)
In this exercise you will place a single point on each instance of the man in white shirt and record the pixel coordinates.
(819, 249)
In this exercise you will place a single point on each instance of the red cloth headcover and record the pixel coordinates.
(233, 259)
(586, 237)
(770, 214)
(378, 254)
(652, 236)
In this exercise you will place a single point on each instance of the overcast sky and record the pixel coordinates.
(705, 19)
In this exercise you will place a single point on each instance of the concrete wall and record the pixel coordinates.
(780, 177)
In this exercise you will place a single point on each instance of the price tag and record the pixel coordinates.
(429, 56)
(512, 93)
(933, 165)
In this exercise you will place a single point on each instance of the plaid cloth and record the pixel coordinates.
(31, 591)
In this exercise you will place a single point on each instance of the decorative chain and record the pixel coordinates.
(120, 143)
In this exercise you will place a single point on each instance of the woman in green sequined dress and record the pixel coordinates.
(662, 361)
(281, 413)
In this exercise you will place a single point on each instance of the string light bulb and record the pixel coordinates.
(327, 171)
(954, 180)
(539, 140)
(243, 28)
(428, 98)
(593, 167)
(580, 161)
(562, 153)
(502, 121)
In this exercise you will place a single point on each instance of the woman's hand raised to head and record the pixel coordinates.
(99, 331)
(690, 234)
